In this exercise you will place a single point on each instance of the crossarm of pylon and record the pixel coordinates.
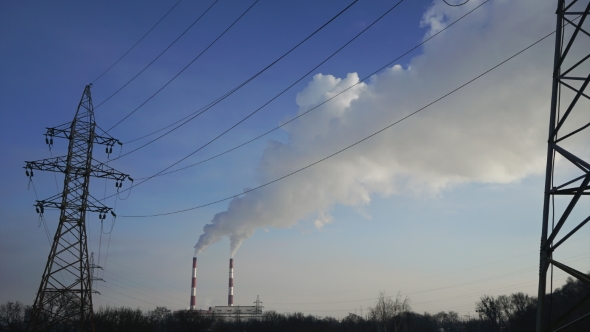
(102, 170)
(63, 131)
(58, 164)
(97, 206)
(89, 208)
(55, 202)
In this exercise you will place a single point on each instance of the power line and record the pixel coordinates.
(147, 276)
(311, 109)
(450, 272)
(127, 295)
(183, 69)
(157, 57)
(118, 300)
(276, 96)
(480, 293)
(427, 302)
(495, 290)
(140, 39)
(148, 289)
(162, 172)
(349, 146)
(500, 276)
(205, 108)
(169, 300)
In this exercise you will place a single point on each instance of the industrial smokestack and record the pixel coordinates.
(230, 297)
(194, 285)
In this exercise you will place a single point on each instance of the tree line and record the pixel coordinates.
(506, 313)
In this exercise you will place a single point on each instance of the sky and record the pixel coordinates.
(442, 207)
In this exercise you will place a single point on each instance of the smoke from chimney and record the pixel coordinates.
(230, 296)
(194, 285)
(487, 144)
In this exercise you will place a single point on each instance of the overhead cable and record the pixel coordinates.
(188, 65)
(157, 57)
(306, 112)
(140, 39)
(349, 146)
(133, 289)
(268, 132)
(311, 109)
(276, 96)
(495, 277)
(215, 102)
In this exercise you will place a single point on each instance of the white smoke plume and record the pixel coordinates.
(492, 131)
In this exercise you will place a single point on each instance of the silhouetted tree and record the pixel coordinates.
(390, 314)
(564, 298)
(12, 316)
(491, 311)
(506, 313)
(160, 318)
(121, 319)
(192, 320)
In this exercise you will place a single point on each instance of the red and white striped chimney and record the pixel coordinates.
(230, 297)
(194, 285)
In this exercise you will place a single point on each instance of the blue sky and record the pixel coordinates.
(444, 207)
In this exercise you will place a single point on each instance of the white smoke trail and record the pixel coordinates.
(493, 131)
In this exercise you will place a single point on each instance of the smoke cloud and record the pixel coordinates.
(492, 131)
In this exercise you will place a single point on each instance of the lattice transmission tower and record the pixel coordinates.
(568, 163)
(65, 294)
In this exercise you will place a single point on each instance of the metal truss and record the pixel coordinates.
(64, 131)
(571, 75)
(65, 294)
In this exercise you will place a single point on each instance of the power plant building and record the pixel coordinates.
(237, 312)
(231, 311)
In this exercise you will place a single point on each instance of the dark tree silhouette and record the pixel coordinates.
(506, 313)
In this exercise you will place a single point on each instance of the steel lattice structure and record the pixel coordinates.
(65, 293)
(571, 74)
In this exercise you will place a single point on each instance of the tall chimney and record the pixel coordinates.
(194, 285)
(230, 297)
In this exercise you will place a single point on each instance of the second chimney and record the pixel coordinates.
(194, 285)
(230, 297)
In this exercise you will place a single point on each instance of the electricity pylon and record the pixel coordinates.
(65, 293)
(571, 73)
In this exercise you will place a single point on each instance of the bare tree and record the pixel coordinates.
(390, 314)
(448, 321)
(493, 310)
(12, 315)
(520, 303)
